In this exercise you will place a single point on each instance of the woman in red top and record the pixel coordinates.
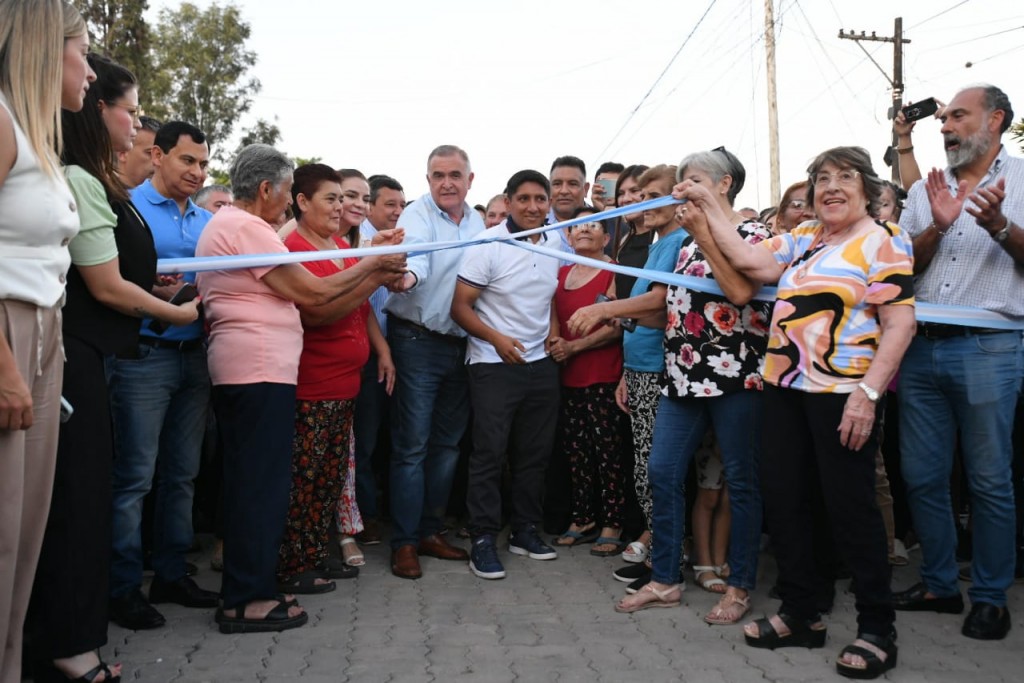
(336, 345)
(591, 421)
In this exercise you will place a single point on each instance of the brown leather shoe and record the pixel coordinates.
(437, 546)
(405, 564)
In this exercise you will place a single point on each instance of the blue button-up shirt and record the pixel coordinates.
(175, 236)
(429, 303)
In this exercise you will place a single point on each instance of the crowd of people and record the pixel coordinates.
(667, 420)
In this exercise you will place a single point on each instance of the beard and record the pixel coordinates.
(969, 149)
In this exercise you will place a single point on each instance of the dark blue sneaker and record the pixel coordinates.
(527, 542)
(483, 558)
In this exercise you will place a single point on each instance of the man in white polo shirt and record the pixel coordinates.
(503, 301)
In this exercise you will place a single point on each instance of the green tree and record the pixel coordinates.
(1017, 131)
(263, 132)
(117, 29)
(201, 70)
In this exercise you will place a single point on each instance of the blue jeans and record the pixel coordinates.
(678, 430)
(970, 384)
(159, 403)
(371, 411)
(429, 414)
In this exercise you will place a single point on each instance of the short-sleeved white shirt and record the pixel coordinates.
(516, 287)
(969, 267)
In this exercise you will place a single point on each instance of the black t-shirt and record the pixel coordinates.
(633, 253)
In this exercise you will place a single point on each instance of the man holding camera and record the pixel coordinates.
(968, 251)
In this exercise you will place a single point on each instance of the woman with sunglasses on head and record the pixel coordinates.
(114, 269)
(43, 44)
(842, 320)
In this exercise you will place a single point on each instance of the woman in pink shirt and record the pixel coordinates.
(255, 343)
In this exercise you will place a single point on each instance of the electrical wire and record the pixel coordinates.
(658, 79)
(936, 16)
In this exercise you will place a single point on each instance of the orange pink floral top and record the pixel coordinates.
(712, 346)
(824, 329)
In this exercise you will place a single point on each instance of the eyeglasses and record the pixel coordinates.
(797, 204)
(845, 177)
(134, 111)
(592, 226)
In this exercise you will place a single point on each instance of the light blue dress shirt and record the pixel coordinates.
(429, 302)
(380, 295)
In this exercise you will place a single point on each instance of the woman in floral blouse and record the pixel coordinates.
(713, 349)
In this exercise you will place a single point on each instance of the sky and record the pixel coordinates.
(377, 85)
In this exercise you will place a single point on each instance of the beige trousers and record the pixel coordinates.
(27, 460)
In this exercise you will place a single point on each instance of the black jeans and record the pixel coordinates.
(801, 451)
(515, 411)
(257, 423)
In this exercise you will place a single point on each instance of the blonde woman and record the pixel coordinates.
(37, 220)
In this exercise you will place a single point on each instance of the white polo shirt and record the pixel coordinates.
(516, 287)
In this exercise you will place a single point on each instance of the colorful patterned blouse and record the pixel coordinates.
(712, 347)
(825, 328)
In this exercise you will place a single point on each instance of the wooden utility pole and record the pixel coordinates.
(896, 81)
(773, 104)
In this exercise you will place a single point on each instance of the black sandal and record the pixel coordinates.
(801, 633)
(277, 619)
(305, 583)
(874, 666)
(48, 673)
(337, 569)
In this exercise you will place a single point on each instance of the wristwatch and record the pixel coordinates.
(872, 395)
(1003, 234)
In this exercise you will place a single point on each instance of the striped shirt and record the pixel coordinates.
(970, 268)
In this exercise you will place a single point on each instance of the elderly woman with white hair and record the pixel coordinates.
(254, 347)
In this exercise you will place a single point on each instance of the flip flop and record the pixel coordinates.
(277, 619)
(608, 540)
(577, 537)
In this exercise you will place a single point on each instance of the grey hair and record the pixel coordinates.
(994, 99)
(253, 165)
(204, 192)
(449, 151)
(717, 163)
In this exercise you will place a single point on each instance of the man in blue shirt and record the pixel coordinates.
(430, 406)
(159, 397)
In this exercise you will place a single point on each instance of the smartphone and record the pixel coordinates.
(187, 292)
(628, 324)
(920, 110)
(66, 411)
(609, 188)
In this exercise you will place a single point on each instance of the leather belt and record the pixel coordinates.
(176, 344)
(943, 331)
(394, 319)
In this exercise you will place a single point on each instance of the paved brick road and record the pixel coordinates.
(548, 621)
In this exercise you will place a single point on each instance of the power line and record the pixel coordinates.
(936, 16)
(658, 79)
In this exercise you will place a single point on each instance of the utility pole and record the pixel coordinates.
(773, 104)
(896, 81)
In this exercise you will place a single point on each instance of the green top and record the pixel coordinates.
(94, 244)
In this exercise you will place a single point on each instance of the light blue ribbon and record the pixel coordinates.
(925, 312)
